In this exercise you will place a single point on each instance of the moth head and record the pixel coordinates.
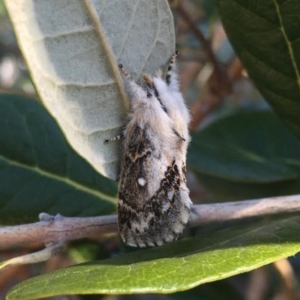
(173, 104)
(152, 91)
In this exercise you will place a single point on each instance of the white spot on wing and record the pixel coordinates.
(141, 181)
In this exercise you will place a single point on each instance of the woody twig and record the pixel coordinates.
(62, 229)
(219, 84)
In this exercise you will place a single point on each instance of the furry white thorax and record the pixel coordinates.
(148, 111)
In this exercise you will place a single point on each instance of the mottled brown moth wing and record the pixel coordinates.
(150, 210)
(154, 203)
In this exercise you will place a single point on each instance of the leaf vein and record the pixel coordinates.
(63, 179)
(288, 43)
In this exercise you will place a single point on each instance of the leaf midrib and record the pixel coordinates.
(288, 43)
(109, 53)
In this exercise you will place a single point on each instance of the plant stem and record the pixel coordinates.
(63, 229)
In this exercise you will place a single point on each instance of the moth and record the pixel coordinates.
(153, 199)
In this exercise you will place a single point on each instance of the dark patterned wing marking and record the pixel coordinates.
(149, 219)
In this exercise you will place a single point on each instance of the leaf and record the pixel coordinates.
(39, 172)
(210, 291)
(173, 267)
(73, 48)
(265, 34)
(249, 154)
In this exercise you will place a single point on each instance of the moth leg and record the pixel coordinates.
(177, 133)
(171, 77)
(115, 138)
(136, 88)
(125, 73)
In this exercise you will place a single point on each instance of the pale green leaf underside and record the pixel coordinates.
(173, 267)
(73, 60)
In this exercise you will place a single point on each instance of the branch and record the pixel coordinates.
(206, 214)
(59, 229)
(213, 93)
(218, 86)
(56, 230)
(198, 34)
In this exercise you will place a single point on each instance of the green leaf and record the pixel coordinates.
(73, 49)
(173, 267)
(40, 172)
(249, 154)
(265, 34)
(210, 291)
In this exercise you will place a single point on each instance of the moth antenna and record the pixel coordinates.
(170, 68)
(148, 80)
(135, 86)
(150, 84)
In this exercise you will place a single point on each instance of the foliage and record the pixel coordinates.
(240, 154)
